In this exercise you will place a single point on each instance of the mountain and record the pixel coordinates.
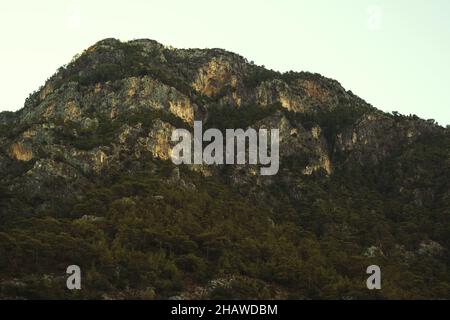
(87, 180)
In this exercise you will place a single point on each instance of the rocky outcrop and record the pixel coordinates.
(376, 136)
(21, 151)
(86, 178)
(117, 103)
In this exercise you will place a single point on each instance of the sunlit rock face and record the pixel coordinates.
(86, 177)
(21, 152)
(116, 104)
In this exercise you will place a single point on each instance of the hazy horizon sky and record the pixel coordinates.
(392, 53)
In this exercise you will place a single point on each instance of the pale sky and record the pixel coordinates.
(393, 53)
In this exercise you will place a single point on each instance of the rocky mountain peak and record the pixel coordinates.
(94, 141)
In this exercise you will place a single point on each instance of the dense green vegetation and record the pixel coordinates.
(146, 229)
(123, 61)
(156, 237)
(223, 117)
(144, 234)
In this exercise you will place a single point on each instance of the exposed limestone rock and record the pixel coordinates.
(271, 92)
(158, 141)
(148, 92)
(323, 163)
(21, 151)
(128, 134)
(115, 117)
(373, 252)
(88, 162)
(430, 248)
(377, 135)
(183, 110)
(315, 132)
(204, 170)
(302, 141)
(90, 218)
(213, 77)
(46, 90)
(50, 167)
(294, 132)
(92, 142)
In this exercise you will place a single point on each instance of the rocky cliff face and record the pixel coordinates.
(113, 82)
(111, 111)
